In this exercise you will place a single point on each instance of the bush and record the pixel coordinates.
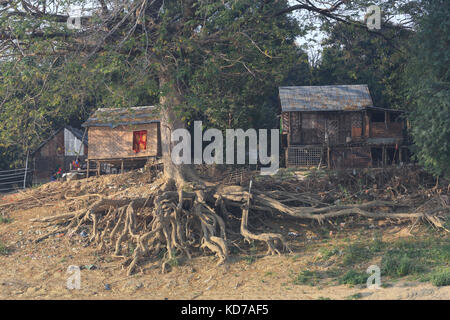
(441, 277)
(306, 277)
(354, 277)
(5, 220)
(356, 253)
(398, 264)
(3, 249)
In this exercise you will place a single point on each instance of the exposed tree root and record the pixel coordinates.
(179, 220)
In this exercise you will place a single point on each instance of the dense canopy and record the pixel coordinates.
(216, 61)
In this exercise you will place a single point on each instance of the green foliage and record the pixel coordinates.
(5, 220)
(415, 257)
(398, 264)
(353, 277)
(235, 84)
(4, 250)
(227, 59)
(355, 296)
(326, 253)
(441, 277)
(43, 94)
(174, 262)
(354, 56)
(249, 259)
(356, 253)
(307, 277)
(427, 86)
(224, 59)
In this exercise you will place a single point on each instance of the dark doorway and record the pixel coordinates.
(378, 117)
(392, 155)
(377, 156)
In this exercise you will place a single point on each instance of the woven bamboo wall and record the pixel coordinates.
(308, 128)
(117, 143)
(393, 130)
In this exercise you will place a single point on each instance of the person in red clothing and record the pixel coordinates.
(75, 164)
(57, 175)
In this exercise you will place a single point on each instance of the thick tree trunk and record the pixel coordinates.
(170, 101)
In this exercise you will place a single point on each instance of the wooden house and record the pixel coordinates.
(339, 126)
(123, 137)
(64, 146)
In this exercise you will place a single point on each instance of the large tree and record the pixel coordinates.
(354, 57)
(427, 83)
(221, 59)
(215, 61)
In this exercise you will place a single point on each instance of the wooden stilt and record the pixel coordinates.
(328, 158)
(98, 168)
(87, 169)
(122, 167)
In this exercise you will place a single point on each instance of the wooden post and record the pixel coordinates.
(289, 130)
(371, 158)
(82, 144)
(300, 126)
(121, 167)
(400, 154)
(328, 158)
(26, 172)
(368, 126)
(286, 157)
(98, 168)
(87, 169)
(384, 155)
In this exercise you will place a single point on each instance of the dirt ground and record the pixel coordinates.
(39, 271)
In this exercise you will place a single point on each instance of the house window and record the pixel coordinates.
(139, 140)
(378, 117)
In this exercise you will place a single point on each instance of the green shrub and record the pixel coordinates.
(327, 253)
(354, 296)
(441, 277)
(353, 277)
(174, 262)
(306, 277)
(3, 249)
(399, 264)
(249, 259)
(356, 253)
(5, 220)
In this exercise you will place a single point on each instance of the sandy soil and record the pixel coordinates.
(39, 271)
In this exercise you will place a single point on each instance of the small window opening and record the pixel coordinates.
(139, 140)
(378, 117)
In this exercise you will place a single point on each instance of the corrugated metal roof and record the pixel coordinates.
(325, 98)
(113, 117)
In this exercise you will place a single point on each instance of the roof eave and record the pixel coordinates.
(115, 125)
